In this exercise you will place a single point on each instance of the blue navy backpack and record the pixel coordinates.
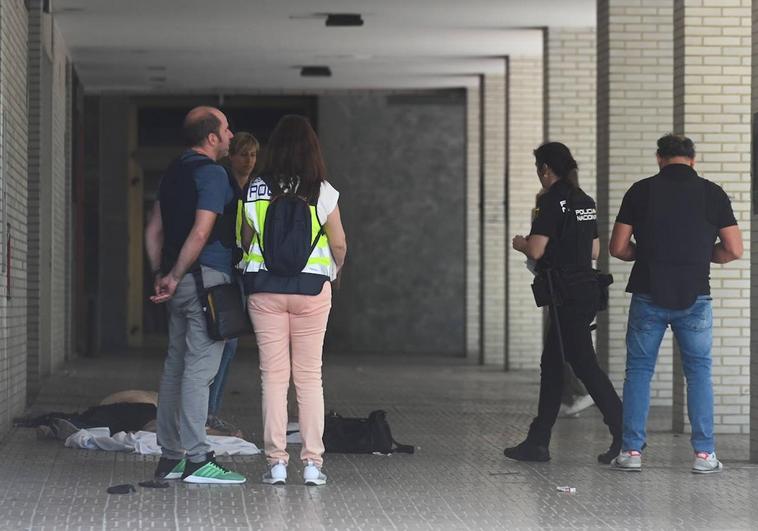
(287, 232)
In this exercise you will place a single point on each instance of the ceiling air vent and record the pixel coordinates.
(344, 19)
(316, 71)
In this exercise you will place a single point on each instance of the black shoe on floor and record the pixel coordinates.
(528, 452)
(608, 456)
(169, 468)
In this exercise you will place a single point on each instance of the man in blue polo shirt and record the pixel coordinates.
(191, 228)
(680, 223)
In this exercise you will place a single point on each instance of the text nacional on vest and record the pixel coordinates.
(585, 214)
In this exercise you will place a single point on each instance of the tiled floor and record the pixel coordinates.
(459, 416)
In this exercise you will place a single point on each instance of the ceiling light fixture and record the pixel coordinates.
(316, 71)
(344, 19)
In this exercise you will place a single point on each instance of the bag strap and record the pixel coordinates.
(197, 274)
(317, 238)
(402, 448)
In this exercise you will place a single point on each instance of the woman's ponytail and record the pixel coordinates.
(558, 158)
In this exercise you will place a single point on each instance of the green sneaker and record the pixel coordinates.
(170, 468)
(209, 471)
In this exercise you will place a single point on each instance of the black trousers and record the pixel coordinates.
(575, 318)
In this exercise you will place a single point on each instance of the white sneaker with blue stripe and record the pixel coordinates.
(312, 475)
(706, 463)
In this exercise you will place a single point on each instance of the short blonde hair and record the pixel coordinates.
(243, 141)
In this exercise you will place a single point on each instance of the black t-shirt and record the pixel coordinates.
(570, 243)
(634, 210)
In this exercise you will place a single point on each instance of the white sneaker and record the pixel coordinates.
(706, 463)
(579, 405)
(276, 474)
(630, 461)
(312, 475)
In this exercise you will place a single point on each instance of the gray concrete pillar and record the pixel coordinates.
(473, 220)
(113, 259)
(493, 317)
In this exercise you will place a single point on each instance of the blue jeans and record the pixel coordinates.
(219, 381)
(693, 329)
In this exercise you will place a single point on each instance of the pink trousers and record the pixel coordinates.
(290, 332)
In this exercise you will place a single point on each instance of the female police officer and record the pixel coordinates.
(564, 241)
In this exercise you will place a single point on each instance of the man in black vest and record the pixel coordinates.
(675, 218)
(191, 228)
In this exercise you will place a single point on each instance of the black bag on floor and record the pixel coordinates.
(361, 436)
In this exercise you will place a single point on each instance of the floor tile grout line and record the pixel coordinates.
(373, 493)
(44, 485)
(108, 497)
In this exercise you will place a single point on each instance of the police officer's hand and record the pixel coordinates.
(165, 287)
(519, 243)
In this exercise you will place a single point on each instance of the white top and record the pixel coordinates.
(327, 201)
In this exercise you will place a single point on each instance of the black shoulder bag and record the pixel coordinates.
(553, 286)
(361, 436)
(224, 309)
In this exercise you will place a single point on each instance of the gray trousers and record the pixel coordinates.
(191, 363)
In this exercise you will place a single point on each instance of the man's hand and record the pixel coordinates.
(519, 243)
(164, 287)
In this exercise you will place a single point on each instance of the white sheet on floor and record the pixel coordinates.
(293, 433)
(145, 443)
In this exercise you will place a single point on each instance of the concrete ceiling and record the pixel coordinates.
(249, 46)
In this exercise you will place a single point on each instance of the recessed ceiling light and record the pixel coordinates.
(344, 19)
(316, 71)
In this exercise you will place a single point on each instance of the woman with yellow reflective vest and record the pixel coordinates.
(295, 247)
(243, 152)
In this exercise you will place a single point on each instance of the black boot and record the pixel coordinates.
(527, 451)
(612, 452)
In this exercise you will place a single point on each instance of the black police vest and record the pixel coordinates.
(679, 241)
(572, 249)
(178, 199)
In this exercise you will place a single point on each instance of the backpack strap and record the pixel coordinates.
(317, 238)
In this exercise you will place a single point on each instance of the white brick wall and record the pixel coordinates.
(570, 96)
(473, 220)
(524, 135)
(635, 102)
(33, 219)
(493, 239)
(13, 203)
(712, 82)
(49, 202)
(60, 206)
